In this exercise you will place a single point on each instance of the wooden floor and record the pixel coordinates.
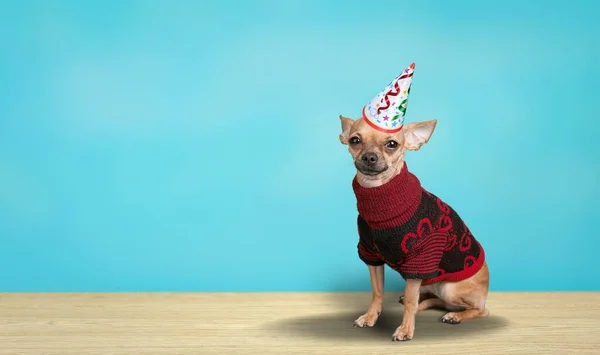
(293, 323)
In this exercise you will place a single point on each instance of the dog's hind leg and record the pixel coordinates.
(470, 294)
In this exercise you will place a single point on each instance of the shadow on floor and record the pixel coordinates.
(339, 325)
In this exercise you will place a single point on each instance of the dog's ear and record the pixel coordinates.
(346, 125)
(418, 133)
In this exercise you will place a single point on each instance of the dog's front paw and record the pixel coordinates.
(403, 333)
(367, 320)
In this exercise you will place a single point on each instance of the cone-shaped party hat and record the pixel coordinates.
(386, 111)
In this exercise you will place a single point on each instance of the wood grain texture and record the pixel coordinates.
(287, 323)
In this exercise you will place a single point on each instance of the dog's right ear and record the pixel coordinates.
(346, 125)
(418, 133)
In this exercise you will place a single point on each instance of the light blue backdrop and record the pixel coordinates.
(193, 146)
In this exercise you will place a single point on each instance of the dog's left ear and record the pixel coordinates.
(346, 125)
(418, 133)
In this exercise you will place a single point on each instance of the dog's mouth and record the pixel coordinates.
(369, 171)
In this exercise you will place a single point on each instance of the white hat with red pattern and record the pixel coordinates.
(386, 111)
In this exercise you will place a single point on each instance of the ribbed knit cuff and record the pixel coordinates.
(407, 276)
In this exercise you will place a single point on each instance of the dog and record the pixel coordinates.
(379, 158)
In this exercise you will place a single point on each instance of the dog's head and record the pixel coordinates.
(379, 156)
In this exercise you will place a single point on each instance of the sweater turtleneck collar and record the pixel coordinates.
(391, 204)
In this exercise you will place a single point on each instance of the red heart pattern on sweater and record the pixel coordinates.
(469, 261)
(425, 227)
(443, 206)
(445, 224)
(407, 237)
(465, 241)
(451, 242)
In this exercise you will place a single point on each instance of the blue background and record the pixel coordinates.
(193, 146)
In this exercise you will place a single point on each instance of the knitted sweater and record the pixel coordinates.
(414, 232)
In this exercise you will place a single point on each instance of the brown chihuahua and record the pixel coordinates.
(411, 230)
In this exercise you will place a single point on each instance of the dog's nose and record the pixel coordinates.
(369, 158)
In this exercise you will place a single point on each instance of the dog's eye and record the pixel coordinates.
(354, 140)
(391, 145)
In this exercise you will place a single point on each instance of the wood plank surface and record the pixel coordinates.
(287, 323)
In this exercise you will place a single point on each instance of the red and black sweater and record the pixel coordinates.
(414, 232)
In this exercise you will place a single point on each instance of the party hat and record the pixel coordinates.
(386, 111)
